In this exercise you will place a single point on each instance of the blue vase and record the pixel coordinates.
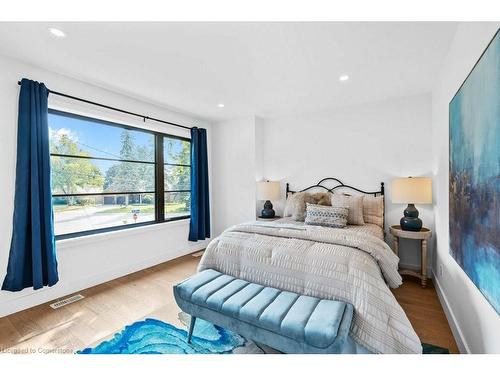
(410, 221)
(267, 212)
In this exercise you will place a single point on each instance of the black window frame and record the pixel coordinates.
(159, 163)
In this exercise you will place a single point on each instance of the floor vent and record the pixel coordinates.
(66, 301)
(198, 254)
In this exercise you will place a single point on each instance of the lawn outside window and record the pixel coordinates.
(108, 176)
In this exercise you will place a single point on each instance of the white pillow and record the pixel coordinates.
(373, 210)
(296, 205)
(355, 205)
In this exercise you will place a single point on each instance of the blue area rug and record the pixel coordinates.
(153, 336)
(433, 349)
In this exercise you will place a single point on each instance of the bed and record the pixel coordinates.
(351, 264)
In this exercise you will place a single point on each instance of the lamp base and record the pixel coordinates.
(410, 221)
(267, 212)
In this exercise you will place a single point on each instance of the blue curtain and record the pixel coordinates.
(32, 258)
(199, 227)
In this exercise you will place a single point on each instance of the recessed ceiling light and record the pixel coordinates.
(57, 32)
(220, 105)
(343, 78)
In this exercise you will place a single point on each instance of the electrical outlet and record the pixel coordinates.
(441, 270)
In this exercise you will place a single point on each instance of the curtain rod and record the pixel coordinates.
(113, 108)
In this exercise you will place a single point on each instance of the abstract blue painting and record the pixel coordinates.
(474, 214)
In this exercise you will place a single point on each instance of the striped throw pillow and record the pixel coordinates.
(373, 210)
(355, 205)
(326, 216)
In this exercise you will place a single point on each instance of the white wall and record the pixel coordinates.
(234, 169)
(259, 160)
(361, 145)
(475, 323)
(90, 260)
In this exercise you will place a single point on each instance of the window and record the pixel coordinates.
(107, 176)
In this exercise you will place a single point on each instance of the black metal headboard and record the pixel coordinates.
(340, 185)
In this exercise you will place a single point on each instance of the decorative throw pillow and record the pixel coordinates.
(296, 203)
(323, 199)
(326, 216)
(287, 211)
(355, 205)
(373, 210)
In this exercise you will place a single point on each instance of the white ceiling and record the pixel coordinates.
(264, 69)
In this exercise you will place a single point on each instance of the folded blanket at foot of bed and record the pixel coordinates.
(285, 321)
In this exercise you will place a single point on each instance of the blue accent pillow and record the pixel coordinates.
(326, 216)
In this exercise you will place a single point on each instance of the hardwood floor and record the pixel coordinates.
(425, 312)
(109, 307)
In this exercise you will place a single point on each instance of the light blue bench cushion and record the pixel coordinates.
(317, 322)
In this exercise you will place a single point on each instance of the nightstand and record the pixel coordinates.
(423, 236)
(271, 219)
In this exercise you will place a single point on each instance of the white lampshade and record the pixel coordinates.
(268, 190)
(416, 190)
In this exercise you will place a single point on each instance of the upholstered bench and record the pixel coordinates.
(288, 322)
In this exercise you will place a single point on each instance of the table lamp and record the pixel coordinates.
(268, 191)
(411, 191)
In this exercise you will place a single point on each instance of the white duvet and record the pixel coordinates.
(341, 264)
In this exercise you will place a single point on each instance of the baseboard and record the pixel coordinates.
(45, 295)
(455, 328)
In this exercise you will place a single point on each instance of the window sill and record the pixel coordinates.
(67, 243)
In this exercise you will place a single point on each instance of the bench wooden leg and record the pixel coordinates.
(191, 328)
